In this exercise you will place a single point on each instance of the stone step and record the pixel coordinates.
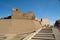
(2, 37)
(44, 34)
(42, 39)
(45, 38)
(46, 31)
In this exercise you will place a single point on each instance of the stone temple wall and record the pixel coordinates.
(17, 14)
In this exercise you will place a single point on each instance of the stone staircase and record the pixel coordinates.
(43, 34)
(2, 37)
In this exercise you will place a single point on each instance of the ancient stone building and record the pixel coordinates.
(19, 23)
(45, 22)
(17, 14)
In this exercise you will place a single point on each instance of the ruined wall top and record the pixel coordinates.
(14, 9)
(17, 14)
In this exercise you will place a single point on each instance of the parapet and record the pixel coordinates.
(14, 9)
(17, 14)
(29, 15)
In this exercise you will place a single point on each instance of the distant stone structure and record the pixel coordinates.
(9, 17)
(17, 14)
(45, 22)
(57, 23)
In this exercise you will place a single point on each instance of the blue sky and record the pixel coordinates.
(41, 8)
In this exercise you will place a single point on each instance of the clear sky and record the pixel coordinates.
(41, 8)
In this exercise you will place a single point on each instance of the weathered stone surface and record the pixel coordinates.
(29, 15)
(18, 26)
(17, 14)
(45, 22)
